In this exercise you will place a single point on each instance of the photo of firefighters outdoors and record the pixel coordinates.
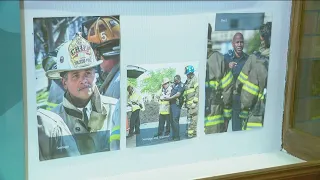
(237, 71)
(162, 103)
(77, 66)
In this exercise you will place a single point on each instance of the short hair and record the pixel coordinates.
(237, 34)
(129, 88)
(64, 75)
(265, 32)
(178, 77)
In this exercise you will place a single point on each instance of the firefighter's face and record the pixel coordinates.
(176, 80)
(130, 90)
(238, 43)
(79, 83)
(165, 86)
(108, 63)
(261, 38)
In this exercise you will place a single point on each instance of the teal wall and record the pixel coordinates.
(12, 133)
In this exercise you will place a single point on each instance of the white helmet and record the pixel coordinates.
(165, 80)
(75, 54)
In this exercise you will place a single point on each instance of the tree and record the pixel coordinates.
(254, 43)
(132, 82)
(152, 83)
(49, 33)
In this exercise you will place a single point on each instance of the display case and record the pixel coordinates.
(268, 117)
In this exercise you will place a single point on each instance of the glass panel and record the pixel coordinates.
(307, 106)
(307, 101)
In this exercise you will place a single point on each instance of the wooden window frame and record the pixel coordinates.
(300, 144)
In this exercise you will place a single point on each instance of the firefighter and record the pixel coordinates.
(191, 95)
(219, 90)
(55, 87)
(236, 59)
(137, 105)
(90, 117)
(104, 36)
(253, 79)
(164, 108)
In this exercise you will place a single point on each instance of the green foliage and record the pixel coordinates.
(38, 66)
(132, 82)
(152, 83)
(254, 43)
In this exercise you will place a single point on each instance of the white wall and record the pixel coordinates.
(184, 39)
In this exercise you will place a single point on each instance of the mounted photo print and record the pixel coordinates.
(162, 103)
(77, 66)
(237, 71)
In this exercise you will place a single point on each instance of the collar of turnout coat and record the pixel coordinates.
(95, 101)
(263, 50)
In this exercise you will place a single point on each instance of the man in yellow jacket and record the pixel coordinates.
(136, 104)
(164, 108)
(253, 79)
(219, 91)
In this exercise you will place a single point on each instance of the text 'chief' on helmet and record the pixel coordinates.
(104, 35)
(75, 54)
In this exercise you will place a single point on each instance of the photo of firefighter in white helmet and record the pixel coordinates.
(75, 116)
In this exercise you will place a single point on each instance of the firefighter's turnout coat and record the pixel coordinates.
(219, 91)
(253, 80)
(69, 135)
(191, 96)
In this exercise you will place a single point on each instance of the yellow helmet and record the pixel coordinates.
(104, 35)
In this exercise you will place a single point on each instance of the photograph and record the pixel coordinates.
(77, 67)
(162, 103)
(238, 50)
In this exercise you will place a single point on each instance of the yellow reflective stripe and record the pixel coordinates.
(115, 133)
(115, 128)
(242, 77)
(52, 104)
(315, 117)
(213, 84)
(261, 96)
(252, 124)
(164, 102)
(227, 113)
(244, 114)
(214, 120)
(164, 112)
(115, 137)
(135, 107)
(190, 91)
(190, 102)
(195, 99)
(251, 88)
(226, 80)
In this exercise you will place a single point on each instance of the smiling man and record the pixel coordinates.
(90, 117)
(236, 59)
